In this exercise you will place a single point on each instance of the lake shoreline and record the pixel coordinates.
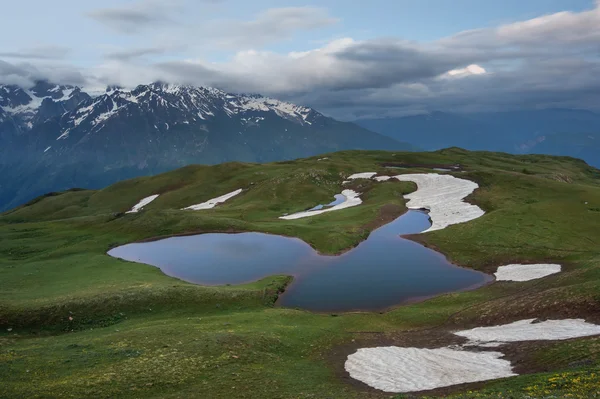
(306, 273)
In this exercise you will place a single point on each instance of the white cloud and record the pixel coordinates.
(549, 31)
(472, 69)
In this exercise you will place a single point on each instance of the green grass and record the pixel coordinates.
(86, 325)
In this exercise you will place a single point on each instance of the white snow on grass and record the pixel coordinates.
(364, 175)
(484, 344)
(211, 203)
(382, 178)
(519, 272)
(395, 369)
(351, 199)
(137, 207)
(527, 330)
(443, 196)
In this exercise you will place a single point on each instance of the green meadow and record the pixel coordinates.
(75, 322)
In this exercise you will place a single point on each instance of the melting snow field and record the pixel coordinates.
(211, 203)
(525, 272)
(394, 369)
(351, 199)
(137, 207)
(443, 196)
(527, 330)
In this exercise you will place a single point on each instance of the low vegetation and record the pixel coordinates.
(78, 323)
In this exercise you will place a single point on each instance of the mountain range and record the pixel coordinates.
(54, 137)
(569, 132)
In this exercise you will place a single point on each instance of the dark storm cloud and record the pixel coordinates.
(379, 64)
(561, 83)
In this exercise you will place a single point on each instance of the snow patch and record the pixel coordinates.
(443, 196)
(395, 369)
(351, 199)
(64, 135)
(364, 175)
(212, 202)
(527, 330)
(138, 207)
(382, 178)
(484, 344)
(519, 272)
(106, 115)
(27, 111)
(66, 94)
(283, 109)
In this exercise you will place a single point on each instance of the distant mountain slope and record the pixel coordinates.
(54, 137)
(439, 130)
(578, 145)
(514, 131)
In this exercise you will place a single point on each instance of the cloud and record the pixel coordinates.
(549, 32)
(25, 73)
(546, 61)
(127, 55)
(12, 74)
(343, 64)
(136, 17)
(271, 25)
(472, 69)
(41, 52)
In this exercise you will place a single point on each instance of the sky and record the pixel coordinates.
(347, 59)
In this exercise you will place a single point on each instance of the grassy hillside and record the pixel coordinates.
(75, 322)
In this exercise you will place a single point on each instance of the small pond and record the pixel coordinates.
(339, 198)
(382, 271)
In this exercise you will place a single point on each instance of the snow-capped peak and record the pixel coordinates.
(207, 101)
(158, 105)
(25, 103)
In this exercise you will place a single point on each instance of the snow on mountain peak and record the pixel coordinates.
(207, 101)
(25, 103)
(156, 103)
